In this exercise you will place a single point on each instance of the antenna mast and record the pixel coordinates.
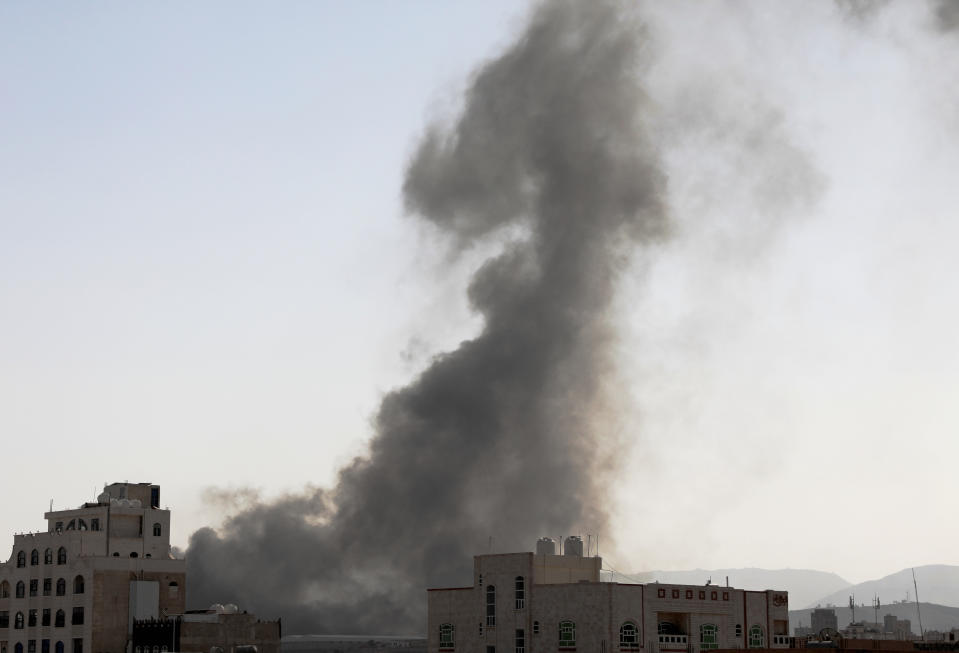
(852, 606)
(922, 633)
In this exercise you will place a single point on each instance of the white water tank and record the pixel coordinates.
(545, 546)
(573, 546)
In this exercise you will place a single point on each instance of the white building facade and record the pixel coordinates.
(544, 603)
(76, 587)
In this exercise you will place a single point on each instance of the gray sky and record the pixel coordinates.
(206, 277)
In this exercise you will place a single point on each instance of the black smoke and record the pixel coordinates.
(507, 435)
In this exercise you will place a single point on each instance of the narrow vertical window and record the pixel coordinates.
(21, 558)
(61, 556)
(708, 637)
(61, 587)
(48, 557)
(520, 593)
(78, 585)
(446, 637)
(490, 605)
(567, 634)
(34, 558)
(21, 589)
(157, 530)
(520, 640)
(756, 636)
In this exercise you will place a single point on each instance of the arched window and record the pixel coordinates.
(157, 529)
(756, 636)
(446, 637)
(61, 587)
(18, 648)
(520, 593)
(116, 554)
(628, 637)
(163, 649)
(708, 637)
(156, 649)
(72, 525)
(18, 621)
(138, 650)
(59, 621)
(21, 558)
(133, 554)
(78, 585)
(739, 630)
(21, 589)
(48, 557)
(4, 590)
(59, 647)
(34, 558)
(536, 628)
(567, 634)
(490, 605)
(173, 589)
(81, 525)
(61, 556)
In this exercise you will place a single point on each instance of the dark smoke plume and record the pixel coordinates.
(505, 435)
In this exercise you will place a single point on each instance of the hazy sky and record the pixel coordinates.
(207, 280)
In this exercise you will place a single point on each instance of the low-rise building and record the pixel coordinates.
(542, 602)
(220, 629)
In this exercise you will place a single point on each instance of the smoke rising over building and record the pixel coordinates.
(502, 436)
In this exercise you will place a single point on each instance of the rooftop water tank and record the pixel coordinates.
(573, 546)
(545, 546)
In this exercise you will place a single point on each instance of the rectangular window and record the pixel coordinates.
(78, 645)
(702, 595)
(77, 616)
(45, 646)
(661, 593)
(95, 524)
(32, 619)
(520, 640)
(34, 586)
(689, 594)
(725, 596)
(47, 586)
(675, 594)
(4, 619)
(46, 617)
(713, 596)
(32, 646)
(567, 634)
(490, 606)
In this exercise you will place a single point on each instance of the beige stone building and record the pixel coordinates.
(78, 586)
(543, 603)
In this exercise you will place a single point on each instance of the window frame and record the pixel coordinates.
(624, 643)
(757, 637)
(447, 637)
(708, 636)
(567, 635)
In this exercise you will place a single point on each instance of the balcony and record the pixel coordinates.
(673, 642)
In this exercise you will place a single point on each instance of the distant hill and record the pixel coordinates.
(934, 616)
(804, 585)
(937, 584)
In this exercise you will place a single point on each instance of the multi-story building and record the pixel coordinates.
(822, 618)
(542, 602)
(78, 586)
